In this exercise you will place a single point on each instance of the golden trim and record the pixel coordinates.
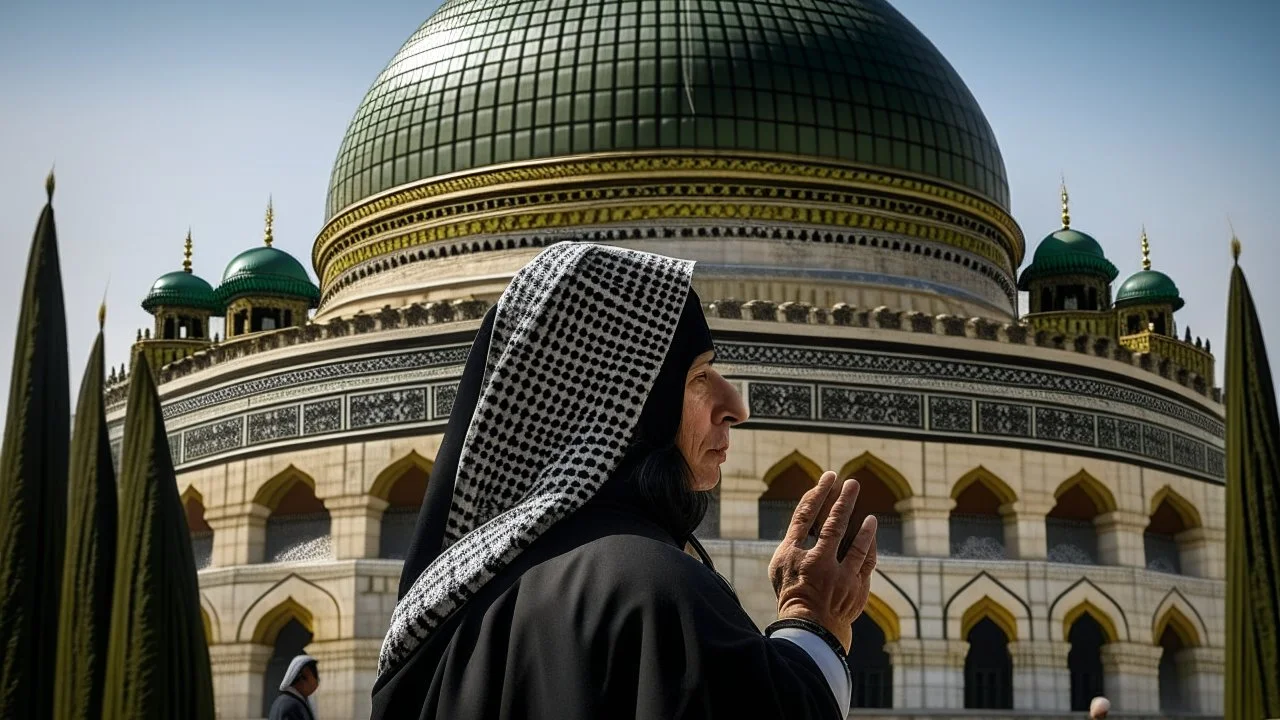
(1182, 627)
(884, 617)
(798, 459)
(277, 617)
(980, 474)
(892, 479)
(1186, 511)
(392, 473)
(1104, 621)
(274, 490)
(988, 608)
(1102, 498)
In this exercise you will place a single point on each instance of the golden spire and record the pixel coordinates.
(1066, 214)
(48, 185)
(186, 253)
(102, 315)
(271, 218)
(1235, 243)
(1146, 249)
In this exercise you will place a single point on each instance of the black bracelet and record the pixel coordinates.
(827, 636)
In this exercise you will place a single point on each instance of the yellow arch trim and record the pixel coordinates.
(1182, 627)
(274, 621)
(796, 458)
(191, 493)
(1097, 492)
(884, 617)
(208, 626)
(1188, 512)
(897, 484)
(988, 608)
(386, 479)
(274, 490)
(1088, 608)
(982, 475)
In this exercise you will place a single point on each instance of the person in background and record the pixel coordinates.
(297, 691)
(1099, 708)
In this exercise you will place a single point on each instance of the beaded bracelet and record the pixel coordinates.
(827, 636)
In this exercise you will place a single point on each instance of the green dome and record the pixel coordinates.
(1067, 252)
(181, 289)
(267, 271)
(484, 82)
(1149, 287)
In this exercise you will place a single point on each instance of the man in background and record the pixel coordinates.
(1099, 708)
(297, 690)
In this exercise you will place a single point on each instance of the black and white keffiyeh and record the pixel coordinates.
(577, 340)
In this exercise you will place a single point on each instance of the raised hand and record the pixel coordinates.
(824, 583)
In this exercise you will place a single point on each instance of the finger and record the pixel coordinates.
(807, 510)
(862, 545)
(869, 564)
(828, 501)
(833, 529)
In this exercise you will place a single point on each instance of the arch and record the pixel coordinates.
(892, 479)
(1173, 619)
(209, 616)
(1185, 509)
(1083, 596)
(274, 490)
(895, 601)
(1102, 498)
(797, 459)
(993, 483)
(386, 479)
(191, 493)
(884, 617)
(986, 594)
(292, 597)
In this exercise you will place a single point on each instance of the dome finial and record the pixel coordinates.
(1235, 242)
(1146, 249)
(186, 253)
(48, 184)
(267, 236)
(1066, 213)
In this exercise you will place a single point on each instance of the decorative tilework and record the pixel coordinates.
(322, 417)
(947, 414)
(273, 425)
(213, 438)
(1155, 442)
(175, 447)
(872, 407)
(385, 408)
(1064, 426)
(1117, 434)
(444, 397)
(1187, 452)
(774, 400)
(1003, 419)
(1215, 463)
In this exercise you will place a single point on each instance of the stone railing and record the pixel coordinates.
(841, 315)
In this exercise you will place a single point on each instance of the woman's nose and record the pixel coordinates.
(732, 408)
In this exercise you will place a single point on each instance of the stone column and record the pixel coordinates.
(1024, 532)
(928, 673)
(1200, 677)
(1203, 553)
(1120, 538)
(1041, 679)
(237, 679)
(355, 523)
(1133, 676)
(925, 526)
(239, 533)
(348, 669)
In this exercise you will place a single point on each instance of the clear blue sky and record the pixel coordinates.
(161, 116)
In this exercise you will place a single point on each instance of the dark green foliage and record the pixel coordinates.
(33, 486)
(158, 663)
(87, 580)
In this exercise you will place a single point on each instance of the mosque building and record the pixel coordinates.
(1049, 485)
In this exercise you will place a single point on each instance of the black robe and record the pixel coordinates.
(604, 616)
(289, 707)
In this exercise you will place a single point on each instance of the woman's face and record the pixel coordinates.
(711, 407)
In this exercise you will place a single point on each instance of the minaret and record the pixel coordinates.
(1066, 212)
(1146, 249)
(182, 303)
(268, 234)
(186, 253)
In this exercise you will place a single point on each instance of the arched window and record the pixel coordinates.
(977, 522)
(290, 641)
(1165, 537)
(1070, 533)
(988, 668)
(870, 665)
(298, 527)
(1172, 696)
(201, 533)
(788, 481)
(881, 489)
(408, 487)
(1084, 661)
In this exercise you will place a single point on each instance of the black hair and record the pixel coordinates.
(664, 482)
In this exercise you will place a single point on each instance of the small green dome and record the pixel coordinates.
(267, 271)
(181, 289)
(1067, 252)
(1149, 287)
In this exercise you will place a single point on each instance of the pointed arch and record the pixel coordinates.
(891, 595)
(1176, 614)
(1185, 509)
(191, 493)
(884, 617)
(1083, 596)
(795, 459)
(209, 616)
(293, 597)
(981, 475)
(387, 479)
(274, 490)
(1102, 497)
(980, 597)
(893, 480)
(985, 607)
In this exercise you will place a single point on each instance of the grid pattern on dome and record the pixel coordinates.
(491, 81)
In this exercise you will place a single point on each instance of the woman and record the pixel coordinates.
(547, 577)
